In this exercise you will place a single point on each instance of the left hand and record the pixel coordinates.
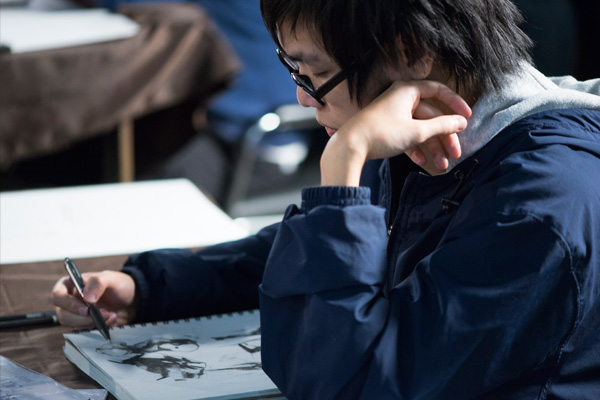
(407, 115)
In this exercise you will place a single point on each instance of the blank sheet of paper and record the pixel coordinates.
(110, 219)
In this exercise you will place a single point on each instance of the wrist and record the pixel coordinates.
(342, 160)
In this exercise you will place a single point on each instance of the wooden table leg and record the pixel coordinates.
(126, 150)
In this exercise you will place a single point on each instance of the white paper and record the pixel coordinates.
(26, 30)
(110, 219)
(216, 358)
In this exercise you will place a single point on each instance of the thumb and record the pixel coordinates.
(94, 287)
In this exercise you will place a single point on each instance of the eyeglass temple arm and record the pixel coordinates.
(330, 84)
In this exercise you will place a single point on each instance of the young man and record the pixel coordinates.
(478, 278)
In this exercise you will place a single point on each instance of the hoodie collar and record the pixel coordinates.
(525, 93)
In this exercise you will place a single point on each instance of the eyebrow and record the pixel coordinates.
(307, 58)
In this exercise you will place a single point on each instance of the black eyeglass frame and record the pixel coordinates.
(304, 81)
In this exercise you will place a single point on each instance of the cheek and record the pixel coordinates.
(340, 113)
(341, 104)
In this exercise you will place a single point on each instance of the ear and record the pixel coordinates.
(420, 70)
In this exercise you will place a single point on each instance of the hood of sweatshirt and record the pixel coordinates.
(525, 93)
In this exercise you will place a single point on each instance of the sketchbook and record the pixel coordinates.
(213, 357)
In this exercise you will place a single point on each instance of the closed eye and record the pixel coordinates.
(320, 78)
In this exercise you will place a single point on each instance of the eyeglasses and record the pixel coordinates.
(304, 81)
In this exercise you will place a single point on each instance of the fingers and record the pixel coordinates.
(115, 292)
(438, 149)
(438, 91)
(435, 152)
(419, 118)
(70, 309)
(443, 125)
(68, 318)
(437, 142)
(64, 298)
(451, 145)
(426, 110)
(94, 287)
(417, 156)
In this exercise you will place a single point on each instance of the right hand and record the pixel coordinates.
(408, 117)
(113, 292)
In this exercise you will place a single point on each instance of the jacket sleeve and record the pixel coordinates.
(459, 325)
(179, 283)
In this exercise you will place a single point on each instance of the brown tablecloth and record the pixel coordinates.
(51, 99)
(26, 288)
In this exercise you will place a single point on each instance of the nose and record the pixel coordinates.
(305, 99)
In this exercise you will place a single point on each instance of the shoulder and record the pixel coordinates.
(560, 124)
(558, 150)
(546, 166)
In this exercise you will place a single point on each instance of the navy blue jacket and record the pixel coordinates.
(487, 286)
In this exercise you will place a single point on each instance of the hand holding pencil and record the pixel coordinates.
(112, 292)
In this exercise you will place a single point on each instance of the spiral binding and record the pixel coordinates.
(172, 321)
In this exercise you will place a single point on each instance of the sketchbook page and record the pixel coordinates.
(92, 370)
(25, 30)
(214, 357)
(109, 219)
(20, 383)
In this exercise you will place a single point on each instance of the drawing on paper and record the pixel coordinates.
(162, 356)
(216, 356)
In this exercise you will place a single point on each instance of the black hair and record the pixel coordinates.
(478, 42)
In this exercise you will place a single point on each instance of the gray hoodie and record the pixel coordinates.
(525, 93)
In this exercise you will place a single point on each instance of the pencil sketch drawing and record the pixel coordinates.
(161, 356)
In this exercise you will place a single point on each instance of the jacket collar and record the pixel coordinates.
(525, 93)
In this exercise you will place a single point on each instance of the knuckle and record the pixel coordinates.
(64, 317)
(54, 298)
(447, 126)
(60, 284)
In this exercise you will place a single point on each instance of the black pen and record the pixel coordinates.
(93, 310)
(21, 320)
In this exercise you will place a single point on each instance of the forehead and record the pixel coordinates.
(302, 44)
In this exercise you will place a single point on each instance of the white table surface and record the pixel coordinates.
(25, 30)
(109, 219)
